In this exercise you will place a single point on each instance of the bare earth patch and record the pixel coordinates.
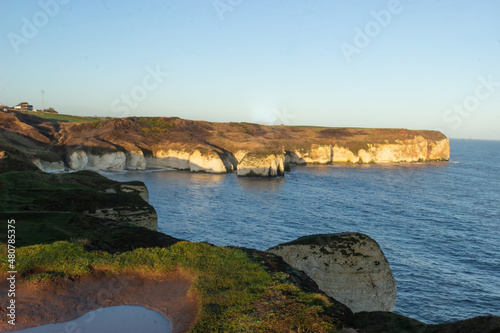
(64, 300)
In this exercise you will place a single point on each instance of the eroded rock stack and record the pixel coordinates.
(349, 267)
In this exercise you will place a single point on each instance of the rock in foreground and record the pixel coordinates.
(349, 267)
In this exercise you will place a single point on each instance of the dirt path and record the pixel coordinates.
(65, 300)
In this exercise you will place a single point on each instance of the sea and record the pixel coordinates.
(437, 223)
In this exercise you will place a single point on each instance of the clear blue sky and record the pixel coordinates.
(357, 63)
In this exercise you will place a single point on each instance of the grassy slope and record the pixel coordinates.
(49, 207)
(74, 192)
(237, 295)
(55, 118)
(55, 240)
(152, 133)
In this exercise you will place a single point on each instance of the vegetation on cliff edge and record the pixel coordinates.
(237, 295)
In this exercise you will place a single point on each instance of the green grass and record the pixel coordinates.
(154, 124)
(78, 191)
(55, 118)
(236, 294)
(40, 228)
(51, 207)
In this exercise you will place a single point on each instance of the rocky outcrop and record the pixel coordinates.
(135, 160)
(146, 218)
(349, 267)
(417, 149)
(50, 167)
(262, 165)
(249, 163)
(313, 155)
(137, 143)
(78, 160)
(169, 158)
(141, 189)
(112, 161)
(375, 322)
(343, 155)
(199, 160)
(207, 161)
(137, 214)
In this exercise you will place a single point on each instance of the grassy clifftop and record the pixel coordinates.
(237, 294)
(149, 133)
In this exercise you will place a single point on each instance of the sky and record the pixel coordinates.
(429, 64)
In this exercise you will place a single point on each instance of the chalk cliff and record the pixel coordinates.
(349, 267)
(262, 165)
(249, 149)
(113, 161)
(313, 155)
(135, 160)
(47, 166)
(207, 161)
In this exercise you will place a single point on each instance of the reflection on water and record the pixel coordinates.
(261, 184)
(123, 319)
(434, 221)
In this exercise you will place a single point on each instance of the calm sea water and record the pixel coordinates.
(438, 223)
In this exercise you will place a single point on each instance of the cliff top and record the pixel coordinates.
(149, 133)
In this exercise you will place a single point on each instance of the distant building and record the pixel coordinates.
(23, 106)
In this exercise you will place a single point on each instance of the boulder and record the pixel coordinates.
(349, 267)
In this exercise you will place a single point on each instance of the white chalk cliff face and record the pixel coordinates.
(81, 160)
(170, 158)
(349, 267)
(413, 150)
(50, 167)
(248, 163)
(135, 160)
(199, 160)
(314, 155)
(78, 160)
(206, 161)
(114, 161)
(262, 165)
